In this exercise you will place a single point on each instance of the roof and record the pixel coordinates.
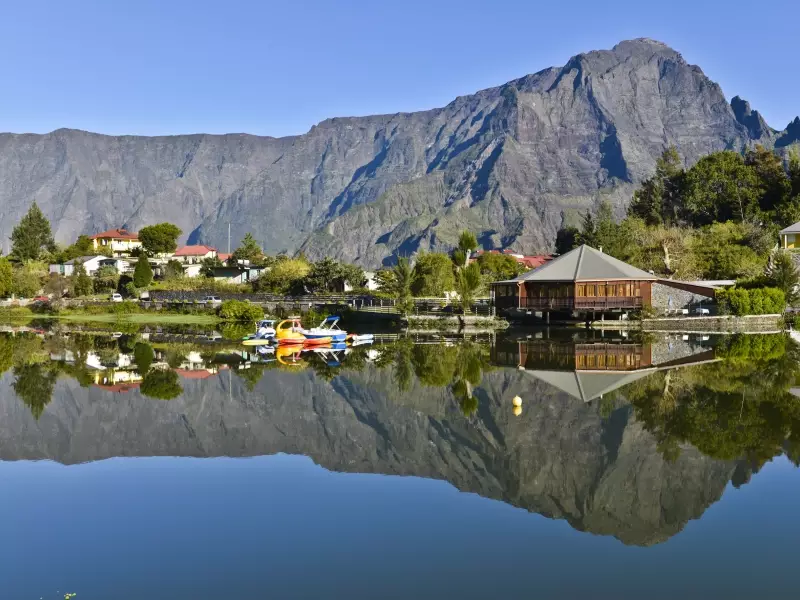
(197, 250)
(795, 228)
(588, 385)
(117, 234)
(223, 256)
(79, 260)
(584, 263)
(529, 261)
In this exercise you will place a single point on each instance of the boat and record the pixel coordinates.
(290, 332)
(360, 338)
(265, 331)
(254, 341)
(329, 328)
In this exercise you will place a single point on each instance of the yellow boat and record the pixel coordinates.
(290, 332)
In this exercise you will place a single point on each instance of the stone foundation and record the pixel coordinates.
(721, 324)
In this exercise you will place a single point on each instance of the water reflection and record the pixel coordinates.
(607, 424)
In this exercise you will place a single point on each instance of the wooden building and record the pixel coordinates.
(583, 280)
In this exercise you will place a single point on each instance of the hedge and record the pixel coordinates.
(756, 301)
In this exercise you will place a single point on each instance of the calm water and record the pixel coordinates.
(156, 467)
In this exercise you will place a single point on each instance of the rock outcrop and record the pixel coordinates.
(512, 163)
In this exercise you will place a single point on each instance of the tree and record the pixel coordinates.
(34, 385)
(82, 283)
(433, 275)
(354, 276)
(468, 282)
(495, 266)
(324, 276)
(794, 172)
(143, 356)
(32, 236)
(385, 281)
(161, 384)
(782, 273)
(209, 265)
(142, 273)
(466, 244)
(174, 270)
(106, 279)
(285, 277)
(403, 277)
(776, 186)
(722, 187)
(6, 278)
(567, 239)
(28, 279)
(159, 239)
(82, 247)
(248, 250)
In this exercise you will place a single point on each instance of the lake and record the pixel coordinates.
(156, 464)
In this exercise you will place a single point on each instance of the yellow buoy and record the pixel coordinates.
(517, 411)
(517, 401)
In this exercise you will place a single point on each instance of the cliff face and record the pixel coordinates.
(511, 163)
(559, 459)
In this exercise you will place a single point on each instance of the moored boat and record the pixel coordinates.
(329, 328)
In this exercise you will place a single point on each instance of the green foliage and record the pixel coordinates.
(722, 187)
(142, 273)
(385, 281)
(244, 312)
(174, 270)
(567, 238)
(208, 267)
(432, 275)
(325, 276)
(161, 384)
(468, 283)
(498, 267)
(782, 273)
(248, 250)
(82, 247)
(6, 278)
(658, 201)
(403, 278)
(756, 301)
(723, 252)
(34, 385)
(81, 282)
(143, 356)
(285, 277)
(32, 237)
(27, 279)
(159, 239)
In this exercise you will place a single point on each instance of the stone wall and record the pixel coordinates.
(721, 324)
(680, 299)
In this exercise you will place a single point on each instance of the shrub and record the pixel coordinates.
(756, 301)
(243, 312)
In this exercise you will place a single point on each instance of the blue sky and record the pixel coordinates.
(276, 68)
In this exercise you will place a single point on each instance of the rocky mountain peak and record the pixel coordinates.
(512, 163)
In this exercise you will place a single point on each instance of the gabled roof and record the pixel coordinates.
(198, 250)
(795, 228)
(584, 263)
(83, 259)
(117, 234)
(588, 385)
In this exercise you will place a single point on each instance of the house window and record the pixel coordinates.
(580, 291)
(591, 290)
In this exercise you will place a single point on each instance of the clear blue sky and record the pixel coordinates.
(276, 68)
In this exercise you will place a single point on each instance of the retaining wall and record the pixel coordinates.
(720, 324)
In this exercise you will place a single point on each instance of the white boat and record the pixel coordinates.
(329, 328)
(265, 331)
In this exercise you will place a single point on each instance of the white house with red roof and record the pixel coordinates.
(192, 257)
(119, 241)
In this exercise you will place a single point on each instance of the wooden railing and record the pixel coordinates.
(583, 303)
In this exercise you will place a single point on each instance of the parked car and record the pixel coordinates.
(116, 297)
(41, 299)
(702, 311)
(212, 300)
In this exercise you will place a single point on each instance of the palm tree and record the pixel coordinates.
(403, 275)
(468, 282)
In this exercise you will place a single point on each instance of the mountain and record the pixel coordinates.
(560, 458)
(512, 163)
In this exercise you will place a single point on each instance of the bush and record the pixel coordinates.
(243, 312)
(756, 301)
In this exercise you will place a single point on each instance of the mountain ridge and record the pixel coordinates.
(512, 162)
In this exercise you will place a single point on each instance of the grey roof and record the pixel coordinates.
(588, 385)
(795, 228)
(585, 264)
(82, 259)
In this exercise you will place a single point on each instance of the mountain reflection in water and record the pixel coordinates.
(617, 436)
